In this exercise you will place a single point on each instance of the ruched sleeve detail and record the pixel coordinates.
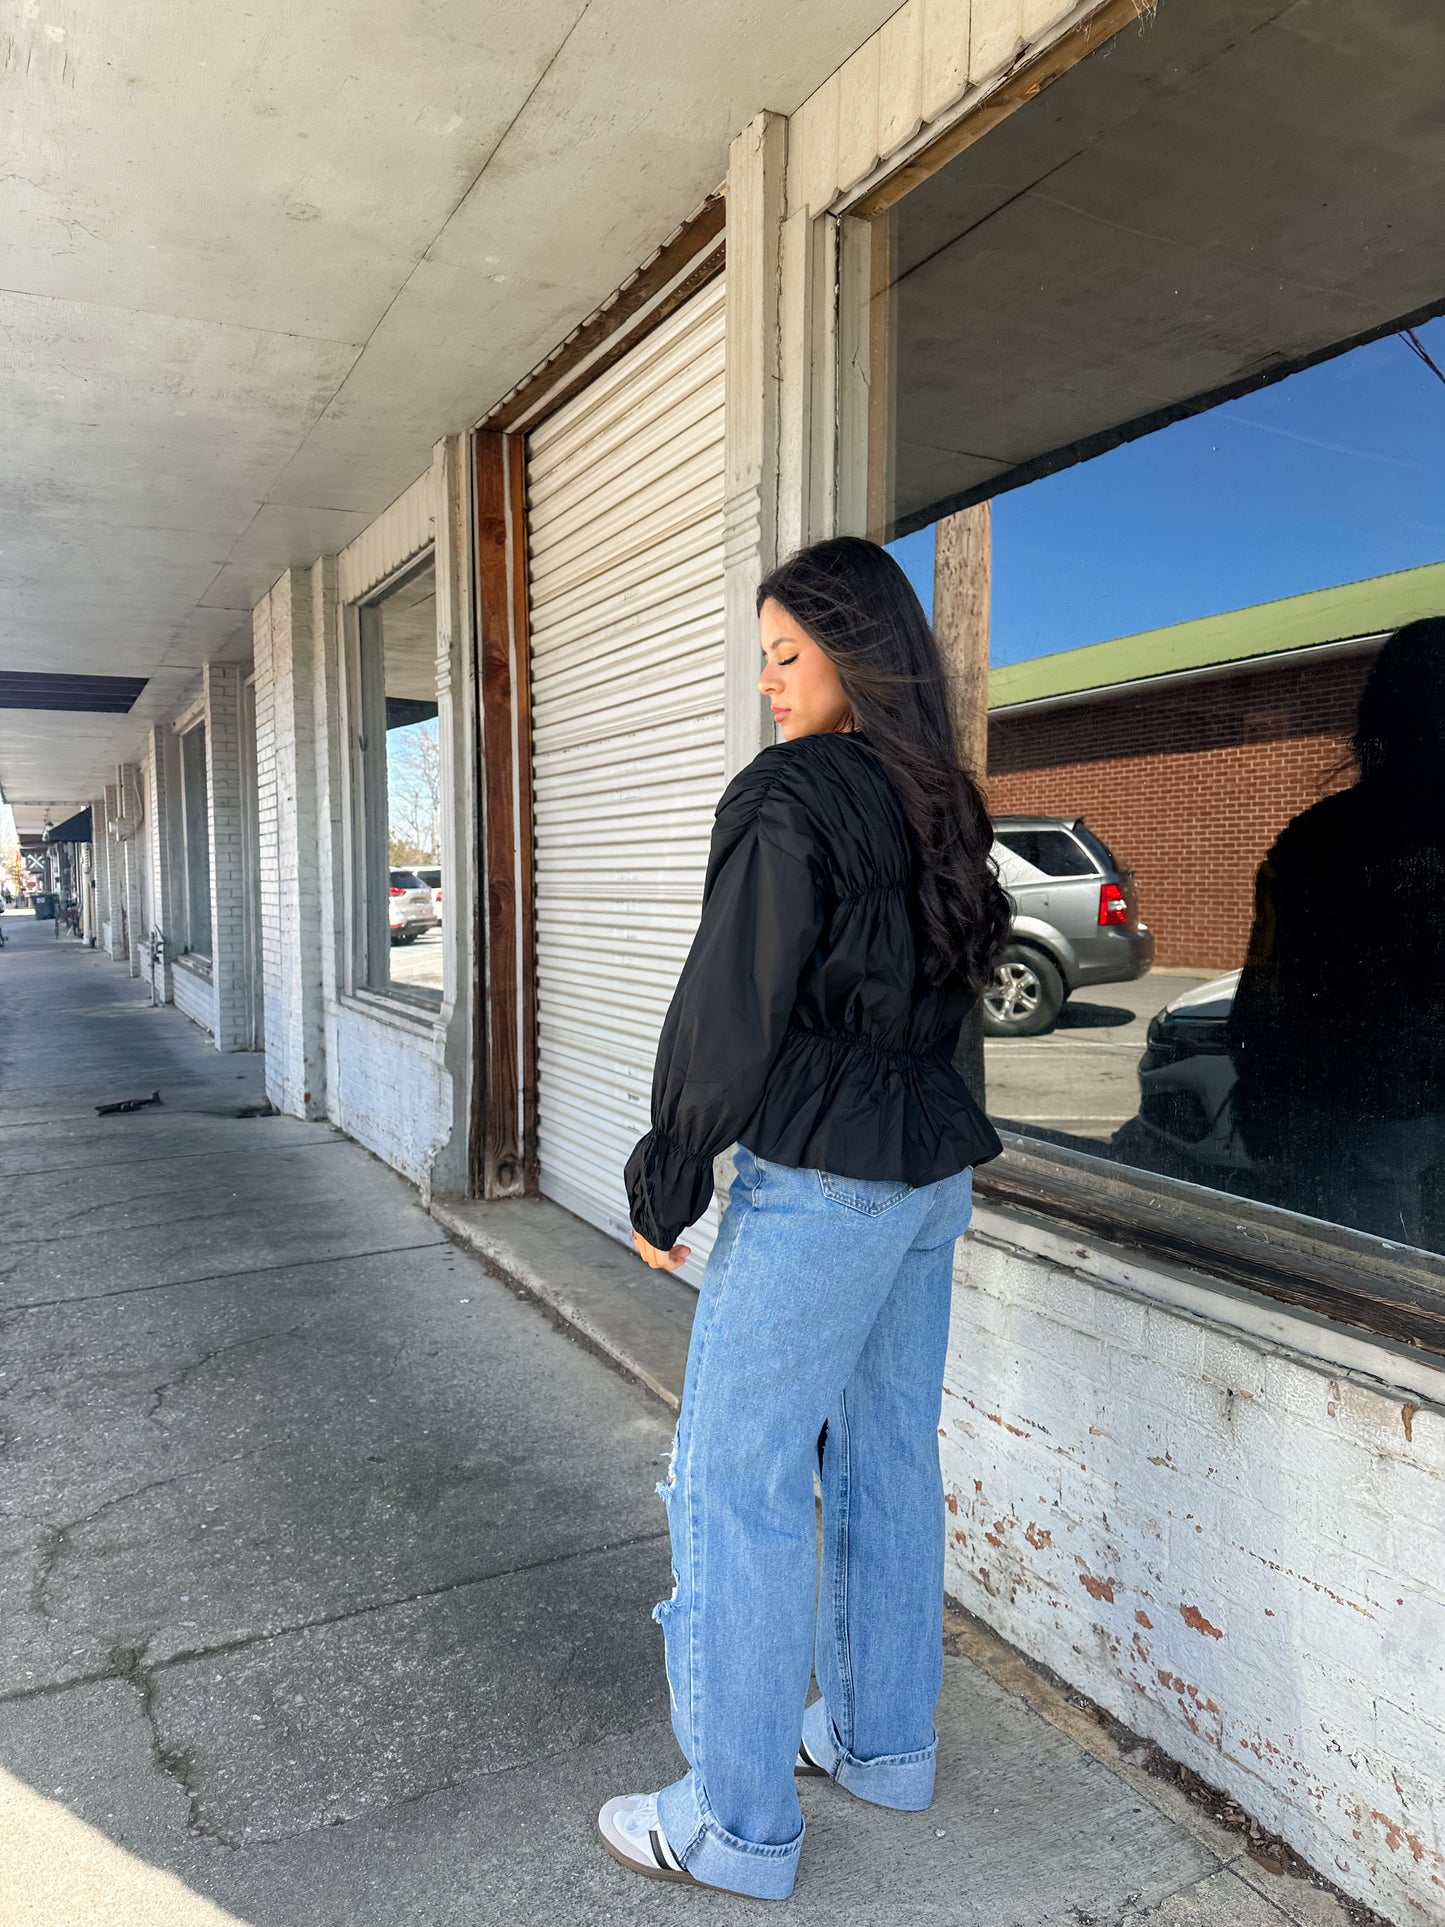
(763, 913)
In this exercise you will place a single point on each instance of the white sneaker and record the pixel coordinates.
(806, 1764)
(632, 1834)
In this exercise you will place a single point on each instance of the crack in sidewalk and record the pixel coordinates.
(157, 1394)
(54, 1540)
(129, 1664)
(243, 1642)
(223, 1277)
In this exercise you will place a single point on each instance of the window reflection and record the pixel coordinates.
(1311, 1075)
(404, 803)
(1336, 1030)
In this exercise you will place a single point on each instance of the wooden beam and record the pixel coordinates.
(882, 380)
(505, 981)
(1346, 1276)
(962, 592)
(526, 829)
(1020, 87)
(684, 264)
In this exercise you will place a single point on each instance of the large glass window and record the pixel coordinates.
(403, 808)
(1168, 340)
(196, 845)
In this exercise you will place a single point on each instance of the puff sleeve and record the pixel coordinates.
(763, 912)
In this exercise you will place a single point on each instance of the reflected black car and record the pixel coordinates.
(1186, 1083)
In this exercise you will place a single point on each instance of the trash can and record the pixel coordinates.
(44, 901)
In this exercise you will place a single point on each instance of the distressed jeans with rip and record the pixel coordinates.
(826, 1301)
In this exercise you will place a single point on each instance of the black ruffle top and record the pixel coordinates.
(798, 1026)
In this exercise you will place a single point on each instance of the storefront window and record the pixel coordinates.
(1188, 368)
(196, 840)
(401, 795)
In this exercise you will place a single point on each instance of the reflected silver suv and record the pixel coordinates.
(410, 907)
(1076, 922)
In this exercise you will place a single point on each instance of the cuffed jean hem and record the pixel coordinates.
(718, 1858)
(903, 1781)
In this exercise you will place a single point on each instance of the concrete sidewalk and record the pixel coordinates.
(326, 1563)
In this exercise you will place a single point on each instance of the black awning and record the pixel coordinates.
(75, 829)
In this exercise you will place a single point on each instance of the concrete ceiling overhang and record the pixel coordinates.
(258, 258)
(1210, 200)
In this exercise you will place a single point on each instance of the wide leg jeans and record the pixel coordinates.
(825, 1302)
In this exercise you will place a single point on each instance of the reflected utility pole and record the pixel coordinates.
(962, 590)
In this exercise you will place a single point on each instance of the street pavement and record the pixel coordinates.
(418, 965)
(327, 1561)
(1082, 1077)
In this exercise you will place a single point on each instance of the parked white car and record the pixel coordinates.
(411, 907)
(431, 876)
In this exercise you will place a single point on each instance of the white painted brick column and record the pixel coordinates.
(114, 879)
(100, 832)
(222, 687)
(330, 787)
(163, 844)
(287, 811)
(132, 855)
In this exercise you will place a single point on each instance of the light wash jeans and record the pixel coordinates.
(826, 1299)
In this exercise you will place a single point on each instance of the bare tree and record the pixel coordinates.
(414, 788)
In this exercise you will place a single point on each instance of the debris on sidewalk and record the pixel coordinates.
(127, 1104)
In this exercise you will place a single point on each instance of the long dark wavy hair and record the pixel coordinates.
(856, 603)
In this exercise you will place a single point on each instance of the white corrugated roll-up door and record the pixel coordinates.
(625, 526)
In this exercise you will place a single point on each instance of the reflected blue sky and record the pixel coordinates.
(1334, 474)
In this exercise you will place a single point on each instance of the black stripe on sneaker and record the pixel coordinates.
(806, 1757)
(662, 1853)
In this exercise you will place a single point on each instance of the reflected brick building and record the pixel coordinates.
(1188, 749)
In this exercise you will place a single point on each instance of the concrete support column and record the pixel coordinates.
(287, 837)
(447, 1171)
(330, 789)
(229, 973)
(132, 854)
(100, 829)
(757, 163)
(962, 599)
(114, 860)
(962, 593)
(165, 846)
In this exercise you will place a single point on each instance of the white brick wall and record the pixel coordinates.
(383, 1072)
(391, 1090)
(195, 995)
(1235, 1547)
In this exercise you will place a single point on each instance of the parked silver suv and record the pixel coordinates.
(1076, 921)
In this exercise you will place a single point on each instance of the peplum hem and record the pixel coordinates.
(863, 1109)
(834, 1102)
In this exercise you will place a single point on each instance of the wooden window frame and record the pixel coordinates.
(366, 816)
(195, 842)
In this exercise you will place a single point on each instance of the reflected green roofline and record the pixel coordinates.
(1378, 604)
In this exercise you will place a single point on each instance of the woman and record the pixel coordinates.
(849, 917)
